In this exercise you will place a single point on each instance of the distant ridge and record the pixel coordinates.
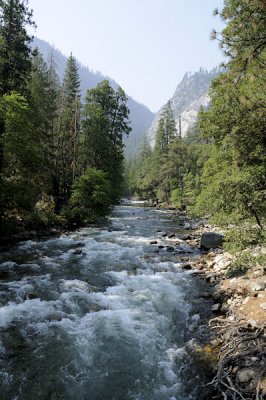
(140, 116)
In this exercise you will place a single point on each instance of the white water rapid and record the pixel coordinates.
(97, 314)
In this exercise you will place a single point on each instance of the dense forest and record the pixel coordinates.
(60, 157)
(219, 168)
(150, 303)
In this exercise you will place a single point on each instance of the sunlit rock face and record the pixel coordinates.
(190, 95)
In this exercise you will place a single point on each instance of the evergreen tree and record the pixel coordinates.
(43, 97)
(22, 157)
(105, 123)
(170, 126)
(15, 62)
(160, 138)
(166, 131)
(15, 65)
(68, 134)
(236, 119)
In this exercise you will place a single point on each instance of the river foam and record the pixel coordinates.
(103, 323)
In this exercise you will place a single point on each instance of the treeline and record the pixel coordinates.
(60, 156)
(220, 167)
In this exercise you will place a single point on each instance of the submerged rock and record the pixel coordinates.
(31, 296)
(170, 248)
(77, 252)
(216, 307)
(55, 318)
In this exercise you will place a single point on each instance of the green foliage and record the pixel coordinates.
(219, 168)
(244, 236)
(166, 131)
(105, 123)
(43, 97)
(48, 159)
(20, 155)
(66, 142)
(234, 180)
(43, 219)
(15, 63)
(176, 197)
(245, 261)
(90, 197)
(172, 175)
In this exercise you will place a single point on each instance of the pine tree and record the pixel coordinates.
(15, 62)
(161, 142)
(43, 96)
(170, 126)
(106, 121)
(236, 119)
(166, 131)
(68, 134)
(15, 66)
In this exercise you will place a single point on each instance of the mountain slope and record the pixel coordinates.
(190, 95)
(140, 116)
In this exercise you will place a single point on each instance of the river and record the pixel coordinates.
(101, 314)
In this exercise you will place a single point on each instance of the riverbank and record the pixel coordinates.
(20, 231)
(239, 315)
(237, 288)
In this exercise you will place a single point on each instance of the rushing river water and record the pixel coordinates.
(99, 314)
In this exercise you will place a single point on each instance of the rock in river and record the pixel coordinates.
(211, 240)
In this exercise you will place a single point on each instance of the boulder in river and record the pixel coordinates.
(211, 240)
(30, 296)
(187, 266)
(171, 235)
(185, 237)
(187, 225)
(216, 307)
(170, 248)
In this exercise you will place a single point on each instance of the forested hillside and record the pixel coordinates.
(140, 116)
(219, 167)
(60, 156)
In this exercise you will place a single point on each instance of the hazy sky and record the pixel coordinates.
(145, 45)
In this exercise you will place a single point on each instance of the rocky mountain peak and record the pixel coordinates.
(190, 95)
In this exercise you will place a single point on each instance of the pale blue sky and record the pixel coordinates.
(145, 45)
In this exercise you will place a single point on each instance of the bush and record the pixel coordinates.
(90, 198)
(240, 238)
(229, 193)
(245, 261)
(176, 197)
